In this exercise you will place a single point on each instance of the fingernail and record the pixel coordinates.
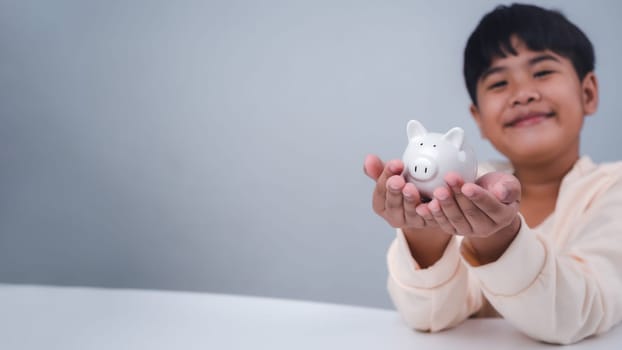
(503, 193)
(420, 211)
(468, 191)
(452, 182)
(392, 167)
(393, 187)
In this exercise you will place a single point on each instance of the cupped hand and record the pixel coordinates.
(480, 209)
(393, 199)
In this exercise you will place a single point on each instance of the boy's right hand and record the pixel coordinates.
(396, 201)
(393, 199)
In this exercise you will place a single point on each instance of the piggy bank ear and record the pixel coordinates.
(455, 136)
(415, 129)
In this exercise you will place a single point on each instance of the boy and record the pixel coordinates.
(537, 241)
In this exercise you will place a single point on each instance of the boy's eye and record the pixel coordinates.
(497, 85)
(542, 73)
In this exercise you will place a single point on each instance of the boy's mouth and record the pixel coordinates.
(528, 119)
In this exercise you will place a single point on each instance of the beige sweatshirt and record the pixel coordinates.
(558, 282)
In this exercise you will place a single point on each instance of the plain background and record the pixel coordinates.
(217, 146)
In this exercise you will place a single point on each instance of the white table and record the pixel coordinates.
(41, 317)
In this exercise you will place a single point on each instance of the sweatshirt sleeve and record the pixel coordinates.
(435, 298)
(561, 287)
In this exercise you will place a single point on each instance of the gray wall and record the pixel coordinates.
(218, 145)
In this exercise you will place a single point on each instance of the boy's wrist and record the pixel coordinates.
(489, 249)
(426, 245)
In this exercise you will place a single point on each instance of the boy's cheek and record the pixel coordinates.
(490, 109)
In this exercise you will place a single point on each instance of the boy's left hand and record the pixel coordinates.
(476, 210)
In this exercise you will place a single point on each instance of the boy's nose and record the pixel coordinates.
(524, 96)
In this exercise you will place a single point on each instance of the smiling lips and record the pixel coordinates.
(528, 119)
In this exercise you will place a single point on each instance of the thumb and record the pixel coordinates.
(373, 166)
(505, 187)
(507, 191)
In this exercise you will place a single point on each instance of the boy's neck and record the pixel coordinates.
(544, 179)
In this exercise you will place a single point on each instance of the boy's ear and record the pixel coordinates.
(589, 93)
(476, 116)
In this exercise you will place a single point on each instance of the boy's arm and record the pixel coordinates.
(437, 297)
(427, 282)
(563, 285)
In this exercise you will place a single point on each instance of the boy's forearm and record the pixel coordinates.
(489, 249)
(426, 245)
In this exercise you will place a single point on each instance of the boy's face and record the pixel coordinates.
(531, 106)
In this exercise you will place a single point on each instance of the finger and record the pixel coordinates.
(452, 211)
(440, 217)
(474, 216)
(373, 166)
(411, 200)
(394, 203)
(379, 197)
(424, 211)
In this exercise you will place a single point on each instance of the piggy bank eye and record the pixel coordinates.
(421, 144)
(433, 145)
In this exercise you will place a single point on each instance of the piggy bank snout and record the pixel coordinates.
(422, 168)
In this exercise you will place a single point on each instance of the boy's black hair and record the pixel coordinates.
(540, 29)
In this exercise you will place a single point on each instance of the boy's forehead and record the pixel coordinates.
(522, 52)
(523, 56)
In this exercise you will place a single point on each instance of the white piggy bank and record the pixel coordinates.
(430, 156)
